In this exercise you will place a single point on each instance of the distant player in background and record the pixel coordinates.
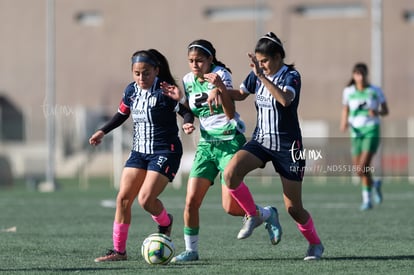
(221, 137)
(363, 104)
(156, 148)
(277, 136)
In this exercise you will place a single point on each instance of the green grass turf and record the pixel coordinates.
(62, 232)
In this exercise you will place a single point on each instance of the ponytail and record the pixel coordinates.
(156, 59)
(164, 67)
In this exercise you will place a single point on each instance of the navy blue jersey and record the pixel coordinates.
(154, 117)
(275, 124)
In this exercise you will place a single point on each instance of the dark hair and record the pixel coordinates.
(206, 48)
(270, 45)
(361, 68)
(156, 59)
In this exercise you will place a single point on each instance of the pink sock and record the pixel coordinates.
(120, 236)
(162, 219)
(244, 198)
(309, 232)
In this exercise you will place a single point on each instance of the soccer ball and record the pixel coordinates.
(157, 248)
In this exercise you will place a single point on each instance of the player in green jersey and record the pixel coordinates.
(363, 104)
(221, 136)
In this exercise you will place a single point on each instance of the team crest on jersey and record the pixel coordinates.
(152, 101)
(132, 97)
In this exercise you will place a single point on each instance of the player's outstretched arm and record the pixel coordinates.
(115, 122)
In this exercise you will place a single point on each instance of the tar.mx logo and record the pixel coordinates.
(297, 153)
(55, 110)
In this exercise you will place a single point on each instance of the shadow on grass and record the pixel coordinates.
(57, 270)
(372, 258)
(202, 263)
(327, 258)
(103, 268)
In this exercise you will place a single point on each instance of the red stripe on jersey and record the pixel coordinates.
(123, 109)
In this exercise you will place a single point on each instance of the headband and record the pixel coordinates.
(201, 47)
(272, 39)
(141, 58)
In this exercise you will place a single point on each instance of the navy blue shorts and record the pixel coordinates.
(284, 162)
(166, 164)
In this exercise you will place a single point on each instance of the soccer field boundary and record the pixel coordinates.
(64, 231)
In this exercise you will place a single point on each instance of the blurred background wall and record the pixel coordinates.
(94, 39)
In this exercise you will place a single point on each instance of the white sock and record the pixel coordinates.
(366, 196)
(191, 242)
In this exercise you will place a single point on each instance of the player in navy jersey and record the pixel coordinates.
(156, 148)
(221, 136)
(276, 138)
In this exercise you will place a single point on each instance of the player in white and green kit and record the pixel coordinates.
(221, 136)
(362, 105)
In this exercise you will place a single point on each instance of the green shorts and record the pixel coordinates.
(367, 142)
(212, 157)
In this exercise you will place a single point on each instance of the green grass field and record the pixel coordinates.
(62, 232)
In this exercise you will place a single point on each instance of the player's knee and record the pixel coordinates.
(192, 204)
(363, 172)
(122, 203)
(144, 201)
(229, 177)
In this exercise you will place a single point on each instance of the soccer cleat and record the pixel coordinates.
(166, 229)
(366, 206)
(112, 255)
(273, 226)
(378, 193)
(314, 252)
(249, 224)
(186, 256)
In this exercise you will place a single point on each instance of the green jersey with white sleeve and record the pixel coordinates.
(213, 126)
(360, 103)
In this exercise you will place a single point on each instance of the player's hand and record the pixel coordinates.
(188, 128)
(344, 126)
(171, 91)
(255, 65)
(213, 99)
(372, 113)
(214, 95)
(214, 79)
(96, 138)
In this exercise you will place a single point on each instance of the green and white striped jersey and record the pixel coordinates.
(360, 103)
(216, 126)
